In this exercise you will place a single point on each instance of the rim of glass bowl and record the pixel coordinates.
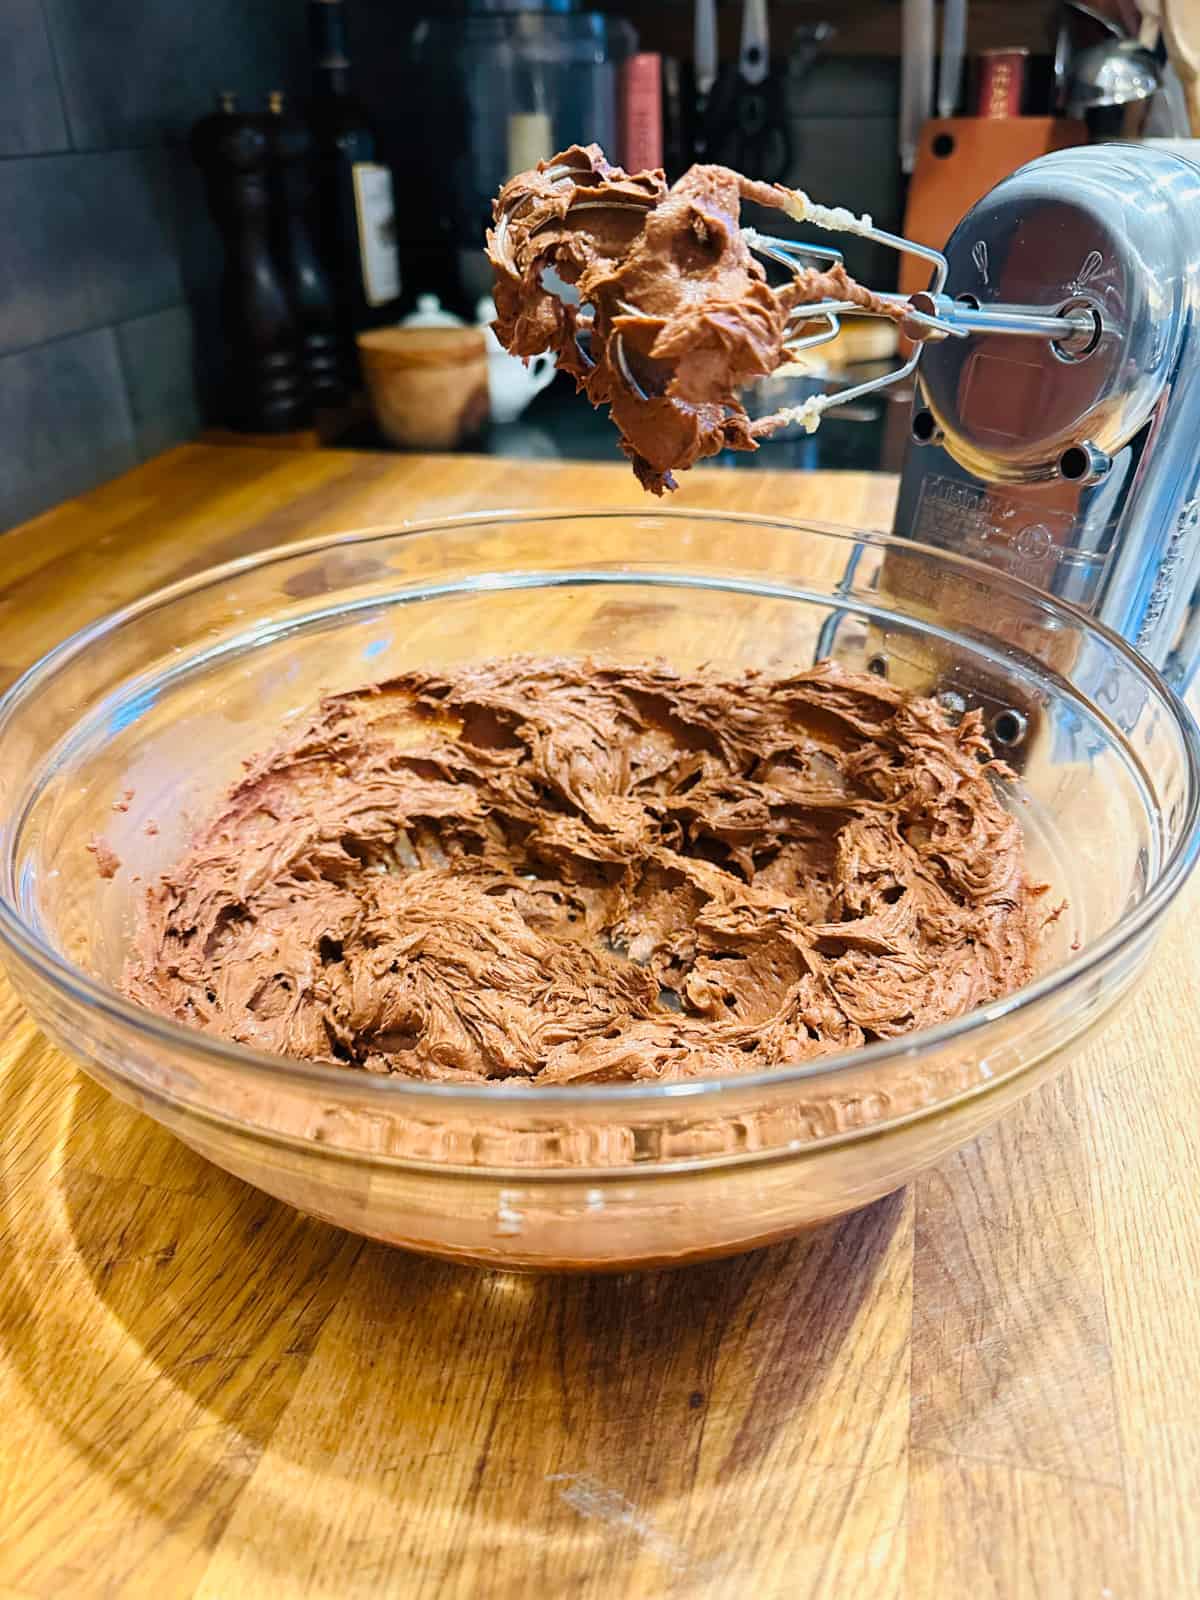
(64, 974)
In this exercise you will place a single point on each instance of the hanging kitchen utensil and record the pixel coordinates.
(705, 64)
(1112, 85)
(1100, 18)
(1067, 44)
(916, 77)
(1064, 47)
(808, 41)
(747, 119)
(954, 48)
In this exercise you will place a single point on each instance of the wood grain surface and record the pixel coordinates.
(987, 1385)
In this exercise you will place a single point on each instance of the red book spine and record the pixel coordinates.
(641, 113)
(1001, 85)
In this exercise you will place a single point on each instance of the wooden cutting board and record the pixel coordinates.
(959, 160)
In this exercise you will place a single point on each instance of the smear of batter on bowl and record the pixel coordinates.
(564, 871)
(108, 862)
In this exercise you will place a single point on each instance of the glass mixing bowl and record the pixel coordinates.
(145, 718)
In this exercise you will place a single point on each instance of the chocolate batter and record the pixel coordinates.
(559, 871)
(682, 313)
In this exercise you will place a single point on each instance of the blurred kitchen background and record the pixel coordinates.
(264, 222)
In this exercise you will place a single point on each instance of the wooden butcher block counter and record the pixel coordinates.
(987, 1385)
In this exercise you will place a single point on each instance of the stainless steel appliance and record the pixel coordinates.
(1056, 412)
(1074, 461)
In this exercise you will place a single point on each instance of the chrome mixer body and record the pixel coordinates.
(1073, 462)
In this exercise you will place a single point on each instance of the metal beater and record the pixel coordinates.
(1056, 367)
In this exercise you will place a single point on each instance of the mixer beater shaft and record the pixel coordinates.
(928, 315)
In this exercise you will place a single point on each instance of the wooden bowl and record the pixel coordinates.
(428, 386)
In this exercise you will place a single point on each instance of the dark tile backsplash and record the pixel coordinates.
(96, 243)
(158, 357)
(65, 420)
(136, 73)
(31, 112)
(109, 264)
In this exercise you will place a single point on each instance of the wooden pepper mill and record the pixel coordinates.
(323, 356)
(265, 390)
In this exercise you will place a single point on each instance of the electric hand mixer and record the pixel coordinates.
(1056, 416)
(1056, 419)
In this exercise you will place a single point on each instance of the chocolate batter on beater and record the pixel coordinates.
(558, 871)
(682, 313)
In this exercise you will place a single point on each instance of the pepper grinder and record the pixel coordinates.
(265, 382)
(322, 355)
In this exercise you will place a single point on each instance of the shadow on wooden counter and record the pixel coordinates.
(220, 1396)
